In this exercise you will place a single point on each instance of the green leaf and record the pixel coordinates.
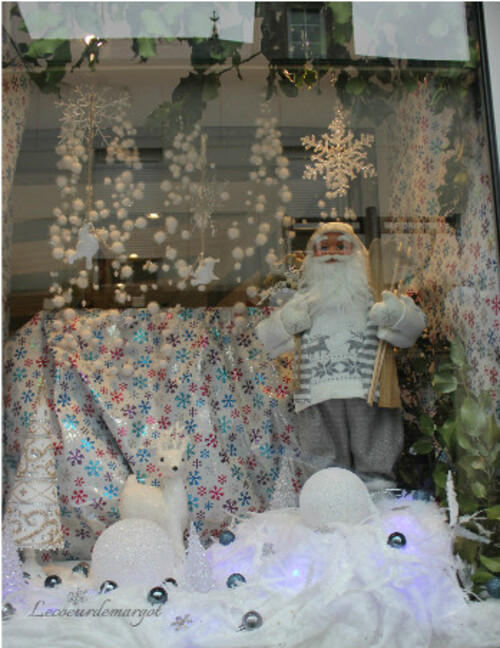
(62, 54)
(467, 549)
(445, 382)
(472, 416)
(210, 86)
(145, 47)
(492, 436)
(479, 463)
(356, 86)
(236, 58)
(493, 512)
(448, 431)
(43, 47)
(464, 441)
(426, 425)
(479, 490)
(424, 445)
(44, 85)
(481, 576)
(342, 11)
(440, 474)
(54, 76)
(457, 352)
(493, 564)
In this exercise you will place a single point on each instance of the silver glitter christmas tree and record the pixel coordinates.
(197, 571)
(284, 495)
(12, 570)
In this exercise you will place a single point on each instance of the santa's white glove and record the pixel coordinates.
(388, 312)
(295, 316)
(400, 321)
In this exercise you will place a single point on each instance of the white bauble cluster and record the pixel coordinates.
(90, 114)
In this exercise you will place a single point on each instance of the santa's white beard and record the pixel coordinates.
(336, 285)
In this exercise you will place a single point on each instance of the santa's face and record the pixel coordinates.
(332, 245)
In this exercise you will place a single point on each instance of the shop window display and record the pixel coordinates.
(165, 166)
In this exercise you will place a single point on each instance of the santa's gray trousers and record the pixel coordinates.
(348, 433)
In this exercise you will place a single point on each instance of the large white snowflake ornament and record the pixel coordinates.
(338, 157)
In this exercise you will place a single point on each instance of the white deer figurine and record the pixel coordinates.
(167, 505)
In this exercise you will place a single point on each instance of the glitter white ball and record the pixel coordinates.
(334, 495)
(132, 552)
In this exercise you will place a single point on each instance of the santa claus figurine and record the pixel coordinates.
(338, 327)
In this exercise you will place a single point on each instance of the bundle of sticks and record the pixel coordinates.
(382, 345)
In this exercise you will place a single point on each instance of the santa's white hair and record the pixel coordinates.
(342, 284)
(346, 231)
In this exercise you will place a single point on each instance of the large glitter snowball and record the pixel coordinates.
(132, 552)
(334, 495)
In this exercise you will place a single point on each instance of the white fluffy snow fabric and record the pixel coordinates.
(341, 586)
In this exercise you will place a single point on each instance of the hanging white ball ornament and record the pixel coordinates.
(126, 272)
(171, 253)
(160, 237)
(171, 224)
(68, 314)
(58, 301)
(117, 247)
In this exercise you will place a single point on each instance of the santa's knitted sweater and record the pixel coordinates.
(338, 351)
(337, 355)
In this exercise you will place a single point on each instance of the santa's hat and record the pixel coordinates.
(335, 228)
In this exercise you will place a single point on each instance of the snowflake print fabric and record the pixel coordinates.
(117, 380)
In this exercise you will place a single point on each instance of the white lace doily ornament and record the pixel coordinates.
(334, 495)
(132, 552)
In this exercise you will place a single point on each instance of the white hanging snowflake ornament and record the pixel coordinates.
(338, 157)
